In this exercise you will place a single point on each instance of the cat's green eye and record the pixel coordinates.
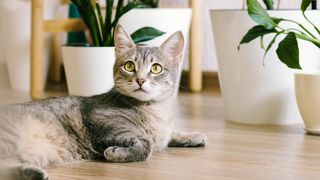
(156, 69)
(129, 66)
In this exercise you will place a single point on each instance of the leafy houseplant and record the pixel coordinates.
(288, 50)
(252, 93)
(307, 83)
(102, 31)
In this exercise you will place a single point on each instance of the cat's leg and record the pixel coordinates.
(33, 173)
(134, 149)
(182, 139)
(17, 171)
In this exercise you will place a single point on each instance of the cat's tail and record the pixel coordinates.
(17, 171)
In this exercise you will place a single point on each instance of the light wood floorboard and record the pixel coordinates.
(235, 151)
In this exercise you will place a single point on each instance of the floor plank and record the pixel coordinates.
(235, 151)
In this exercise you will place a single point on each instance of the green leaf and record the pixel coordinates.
(277, 20)
(254, 33)
(145, 34)
(269, 4)
(271, 43)
(305, 4)
(259, 15)
(88, 15)
(101, 25)
(261, 42)
(150, 3)
(288, 51)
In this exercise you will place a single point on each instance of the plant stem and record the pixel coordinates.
(306, 38)
(300, 25)
(294, 29)
(301, 36)
(315, 27)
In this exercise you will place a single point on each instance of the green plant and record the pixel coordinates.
(288, 50)
(269, 4)
(150, 3)
(102, 31)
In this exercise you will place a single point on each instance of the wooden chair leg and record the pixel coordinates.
(56, 63)
(37, 43)
(195, 72)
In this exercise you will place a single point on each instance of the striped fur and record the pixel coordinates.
(122, 125)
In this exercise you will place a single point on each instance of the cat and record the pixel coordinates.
(125, 124)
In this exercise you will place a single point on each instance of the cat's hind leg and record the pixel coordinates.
(17, 171)
(32, 173)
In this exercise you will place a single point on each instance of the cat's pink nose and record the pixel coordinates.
(140, 81)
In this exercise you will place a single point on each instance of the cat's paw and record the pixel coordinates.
(195, 139)
(33, 173)
(115, 154)
(198, 139)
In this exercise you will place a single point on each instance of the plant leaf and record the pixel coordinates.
(277, 20)
(254, 33)
(261, 42)
(288, 51)
(269, 4)
(145, 34)
(259, 14)
(101, 25)
(88, 15)
(271, 43)
(305, 4)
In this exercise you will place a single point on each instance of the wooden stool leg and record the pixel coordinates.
(55, 68)
(195, 72)
(36, 90)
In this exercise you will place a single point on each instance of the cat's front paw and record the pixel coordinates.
(198, 139)
(115, 154)
(33, 173)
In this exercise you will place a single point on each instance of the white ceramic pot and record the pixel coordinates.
(168, 20)
(89, 70)
(307, 86)
(254, 93)
(16, 26)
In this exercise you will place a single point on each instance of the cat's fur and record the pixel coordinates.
(123, 125)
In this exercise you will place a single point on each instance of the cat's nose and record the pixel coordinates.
(140, 81)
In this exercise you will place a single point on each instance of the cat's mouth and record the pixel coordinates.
(140, 90)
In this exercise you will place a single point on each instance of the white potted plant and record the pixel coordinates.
(254, 93)
(168, 20)
(89, 68)
(307, 82)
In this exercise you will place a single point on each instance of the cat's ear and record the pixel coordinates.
(173, 46)
(122, 41)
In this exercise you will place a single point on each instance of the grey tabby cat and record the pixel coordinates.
(123, 125)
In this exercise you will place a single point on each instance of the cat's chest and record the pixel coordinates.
(160, 126)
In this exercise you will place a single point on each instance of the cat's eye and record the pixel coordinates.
(129, 66)
(156, 69)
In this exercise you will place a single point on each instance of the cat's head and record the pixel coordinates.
(146, 73)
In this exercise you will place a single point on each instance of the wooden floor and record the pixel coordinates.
(235, 151)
